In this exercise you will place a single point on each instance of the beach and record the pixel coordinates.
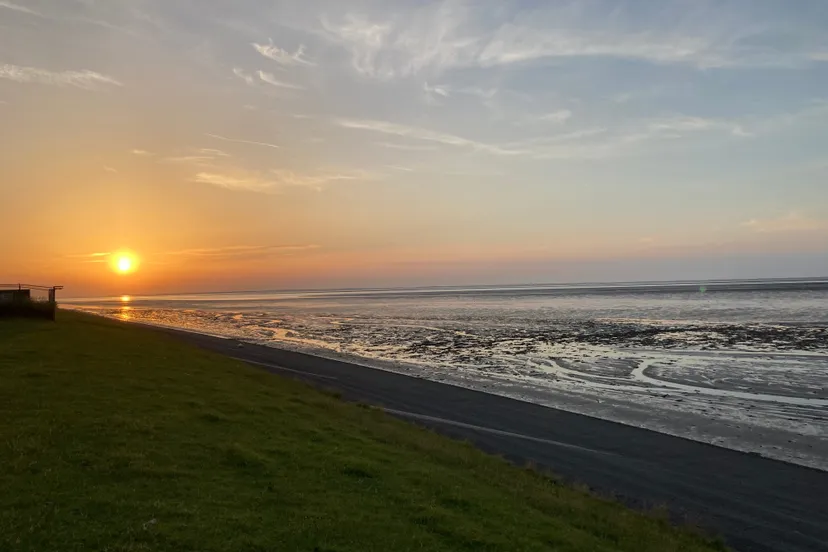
(743, 365)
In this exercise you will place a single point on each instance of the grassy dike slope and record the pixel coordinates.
(117, 438)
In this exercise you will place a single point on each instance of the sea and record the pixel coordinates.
(738, 364)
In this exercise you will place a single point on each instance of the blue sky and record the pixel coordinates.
(451, 141)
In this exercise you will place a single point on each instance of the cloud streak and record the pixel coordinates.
(98, 257)
(585, 143)
(247, 78)
(438, 37)
(406, 147)
(212, 152)
(275, 180)
(434, 93)
(265, 77)
(18, 8)
(271, 79)
(557, 117)
(394, 129)
(789, 223)
(239, 141)
(283, 57)
(90, 255)
(242, 251)
(547, 147)
(87, 80)
(192, 159)
(248, 183)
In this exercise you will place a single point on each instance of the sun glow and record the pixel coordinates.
(124, 263)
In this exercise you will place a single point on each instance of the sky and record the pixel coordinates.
(252, 144)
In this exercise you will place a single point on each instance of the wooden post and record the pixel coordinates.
(51, 295)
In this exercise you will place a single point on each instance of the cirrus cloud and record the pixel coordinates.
(283, 57)
(434, 38)
(85, 79)
(18, 8)
(790, 222)
(275, 180)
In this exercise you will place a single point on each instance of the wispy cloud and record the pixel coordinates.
(246, 77)
(87, 80)
(269, 78)
(18, 8)
(242, 251)
(141, 152)
(191, 159)
(583, 143)
(482, 93)
(248, 182)
(200, 157)
(679, 126)
(436, 37)
(264, 76)
(90, 255)
(239, 141)
(406, 147)
(524, 42)
(110, 170)
(212, 152)
(211, 253)
(433, 93)
(276, 180)
(98, 257)
(790, 222)
(556, 117)
(559, 146)
(315, 181)
(283, 57)
(394, 129)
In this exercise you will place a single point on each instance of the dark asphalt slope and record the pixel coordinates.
(757, 504)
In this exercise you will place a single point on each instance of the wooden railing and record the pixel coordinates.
(51, 290)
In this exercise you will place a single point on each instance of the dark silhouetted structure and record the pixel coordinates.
(16, 301)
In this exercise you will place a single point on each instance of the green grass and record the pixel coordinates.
(117, 438)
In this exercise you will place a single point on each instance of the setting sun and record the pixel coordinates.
(124, 263)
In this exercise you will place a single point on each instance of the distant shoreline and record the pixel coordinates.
(677, 286)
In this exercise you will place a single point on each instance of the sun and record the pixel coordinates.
(124, 262)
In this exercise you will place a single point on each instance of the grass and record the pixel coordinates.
(117, 438)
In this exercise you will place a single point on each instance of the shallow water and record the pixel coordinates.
(738, 364)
